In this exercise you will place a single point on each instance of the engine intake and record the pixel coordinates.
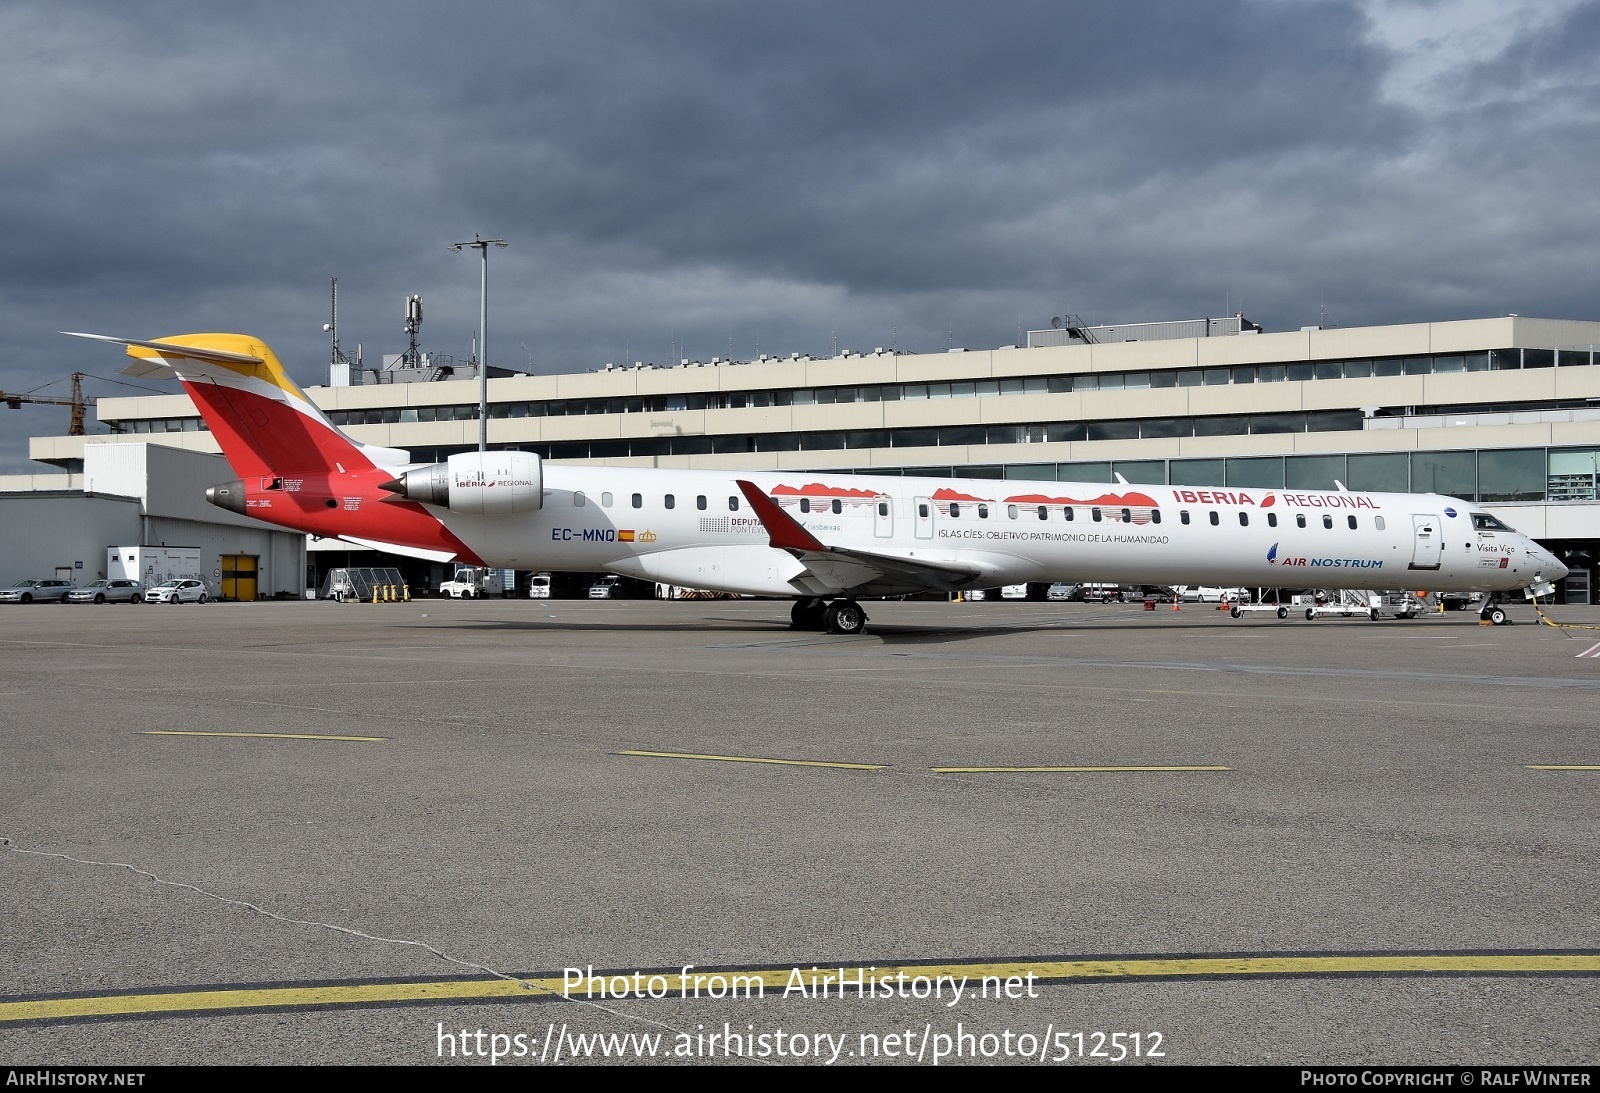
(477, 483)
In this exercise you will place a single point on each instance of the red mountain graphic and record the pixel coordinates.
(1109, 500)
(944, 493)
(817, 489)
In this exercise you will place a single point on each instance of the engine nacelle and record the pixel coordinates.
(477, 483)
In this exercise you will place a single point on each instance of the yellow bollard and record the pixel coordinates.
(405, 593)
(374, 593)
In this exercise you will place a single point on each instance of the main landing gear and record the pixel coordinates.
(837, 617)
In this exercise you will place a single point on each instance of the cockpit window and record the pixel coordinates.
(1482, 521)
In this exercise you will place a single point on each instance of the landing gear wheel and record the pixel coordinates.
(1234, 612)
(1283, 612)
(1497, 616)
(844, 617)
(806, 615)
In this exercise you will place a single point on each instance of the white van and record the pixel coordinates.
(539, 587)
(1014, 592)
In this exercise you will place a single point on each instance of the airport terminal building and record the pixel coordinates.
(1503, 411)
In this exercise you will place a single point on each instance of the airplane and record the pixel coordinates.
(824, 540)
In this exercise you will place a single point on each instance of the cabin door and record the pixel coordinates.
(1426, 547)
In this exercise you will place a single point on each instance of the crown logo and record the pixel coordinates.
(645, 537)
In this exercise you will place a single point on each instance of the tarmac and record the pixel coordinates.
(453, 831)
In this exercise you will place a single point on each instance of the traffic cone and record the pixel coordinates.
(1174, 603)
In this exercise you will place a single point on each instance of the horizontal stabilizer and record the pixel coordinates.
(142, 368)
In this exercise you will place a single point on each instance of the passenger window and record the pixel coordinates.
(922, 512)
(1214, 520)
(1378, 522)
(1327, 521)
(1300, 520)
(955, 511)
(883, 508)
(700, 501)
(983, 512)
(1127, 516)
(837, 506)
(1272, 519)
(1244, 519)
(1066, 511)
(671, 501)
(579, 500)
(1155, 516)
(1094, 514)
(1352, 523)
(733, 504)
(1183, 516)
(805, 504)
(606, 499)
(1044, 513)
(1011, 512)
(638, 500)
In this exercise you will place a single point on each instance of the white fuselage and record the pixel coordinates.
(694, 528)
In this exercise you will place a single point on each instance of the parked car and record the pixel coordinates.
(605, 588)
(1196, 593)
(36, 591)
(184, 590)
(1061, 593)
(115, 590)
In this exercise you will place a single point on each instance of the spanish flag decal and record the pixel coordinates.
(624, 536)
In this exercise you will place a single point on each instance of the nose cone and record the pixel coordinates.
(1550, 567)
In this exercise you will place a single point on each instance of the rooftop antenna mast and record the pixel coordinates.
(413, 359)
(335, 354)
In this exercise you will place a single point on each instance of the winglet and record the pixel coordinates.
(783, 530)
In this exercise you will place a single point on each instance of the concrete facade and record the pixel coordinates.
(136, 494)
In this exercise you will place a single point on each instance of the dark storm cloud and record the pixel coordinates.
(675, 176)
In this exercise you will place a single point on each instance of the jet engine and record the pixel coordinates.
(477, 483)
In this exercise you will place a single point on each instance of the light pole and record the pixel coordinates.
(482, 245)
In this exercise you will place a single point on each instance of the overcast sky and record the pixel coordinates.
(700, 174)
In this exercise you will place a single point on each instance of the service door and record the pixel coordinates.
(239, 576)
(1426, 548)
(924, 517)
(883, 518)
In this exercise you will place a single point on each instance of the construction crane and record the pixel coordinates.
(78, 403)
